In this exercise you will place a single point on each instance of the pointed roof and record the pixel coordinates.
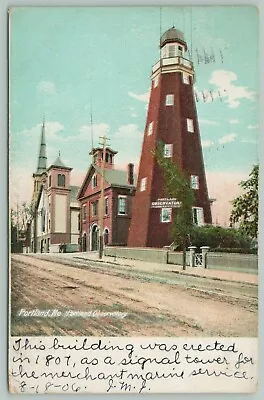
(114, 177)
(172, 35)
(42, 159)
(59, 164)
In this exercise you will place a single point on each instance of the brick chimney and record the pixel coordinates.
(130, 174)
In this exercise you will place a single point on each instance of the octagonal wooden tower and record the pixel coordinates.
(172, 118)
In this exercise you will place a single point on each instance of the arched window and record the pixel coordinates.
(106, 236)
(61, 180)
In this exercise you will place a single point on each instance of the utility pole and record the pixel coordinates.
(101, 202)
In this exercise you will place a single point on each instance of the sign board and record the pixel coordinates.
(165, 203)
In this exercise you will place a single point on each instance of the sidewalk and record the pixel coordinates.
(157, 267)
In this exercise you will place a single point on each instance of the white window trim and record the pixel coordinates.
(150, 128)
(143, 184)
(190, 126)
(169, 100)
(169, 147)
(161, 215)
(156, 82)
(201, 221)
(198, 182)
(186, 78)
(120, 196)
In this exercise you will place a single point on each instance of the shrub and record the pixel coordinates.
(217, 237)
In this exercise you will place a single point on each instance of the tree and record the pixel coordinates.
(19, 223)
(245, 207)
(177, 186)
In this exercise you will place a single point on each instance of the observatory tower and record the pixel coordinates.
(172, 119)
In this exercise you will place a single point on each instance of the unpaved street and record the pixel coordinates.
(161, 303)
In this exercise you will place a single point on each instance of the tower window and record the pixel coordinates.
(156, 82)
(172, 51)
(190, 127)
(143, 184)
(61, 180)
(165, 215)
(195, 182)
(150, 128)
(122, 205)
(107, 157)
(167, 150)
(106, 206)
(180, 51)
(186, 78)
(94, 181)
(50, 181)
(169, 99)
(198, 216)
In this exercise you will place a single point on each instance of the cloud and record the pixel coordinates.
(223, 80)
(207, 143)
(207, 122)
(141, 97)
(132, 111)
(234, 121)
(47, 87)
(86, 133)
(251, 141)
(252, 126)
(20, 185)
(129, 131)
(227, 138)
(51, 130)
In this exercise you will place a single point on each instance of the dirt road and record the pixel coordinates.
(161, 303)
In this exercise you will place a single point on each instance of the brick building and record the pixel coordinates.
(119, 190)
(172, 119)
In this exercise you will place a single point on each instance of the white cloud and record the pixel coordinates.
(207, 143)
(86, 132)
(133, 112)
(47, 87)
(234, 121)
(51, 130)
(252, 126)
(223, 80)
(130, 131)
(251, 141)
(207, 122)
(141, 97)
(227, 138)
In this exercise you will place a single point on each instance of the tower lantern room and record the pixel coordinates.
(172, 44)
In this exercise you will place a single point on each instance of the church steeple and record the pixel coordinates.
(42, 159)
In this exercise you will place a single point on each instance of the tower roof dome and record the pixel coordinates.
(172, 35)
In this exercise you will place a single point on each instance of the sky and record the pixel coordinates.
(66, 64)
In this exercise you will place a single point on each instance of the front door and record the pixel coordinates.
(94, 238)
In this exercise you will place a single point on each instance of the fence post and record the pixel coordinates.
(205, 250)
(192, 255)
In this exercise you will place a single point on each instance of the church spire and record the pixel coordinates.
(42, 160)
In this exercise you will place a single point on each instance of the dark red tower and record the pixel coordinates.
(172, 118)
